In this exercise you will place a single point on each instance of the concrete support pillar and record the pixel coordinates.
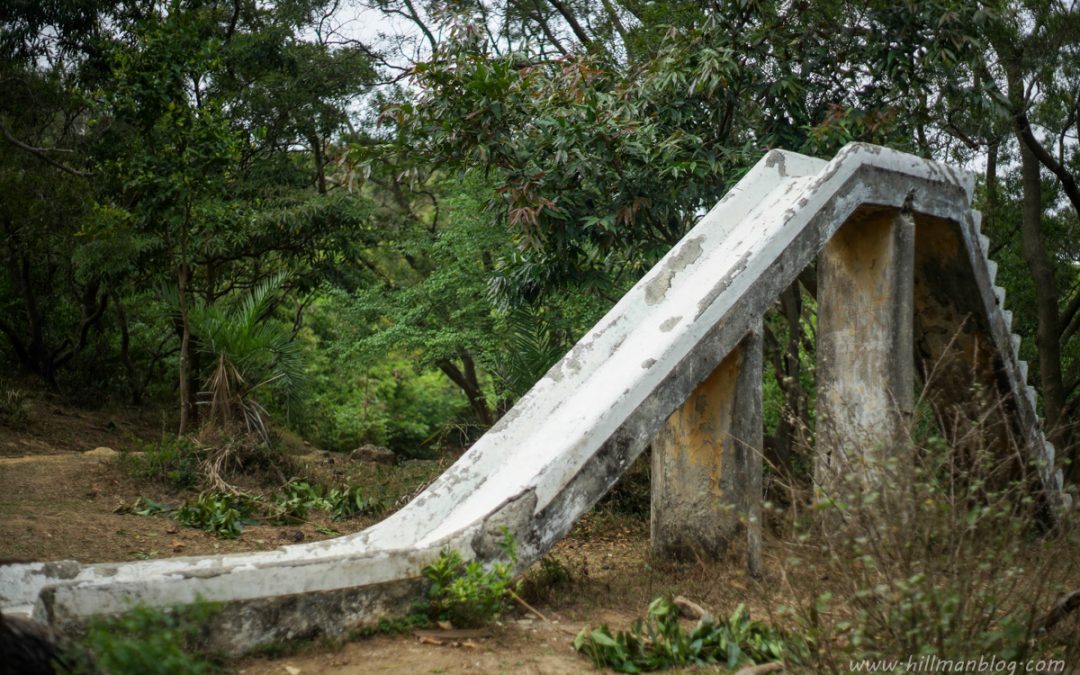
(706, 463)
(865, 371)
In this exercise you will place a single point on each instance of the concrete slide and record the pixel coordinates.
(569, 439)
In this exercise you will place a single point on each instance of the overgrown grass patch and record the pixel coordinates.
(172, 461)
(959, 564)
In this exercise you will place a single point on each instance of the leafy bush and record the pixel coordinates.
(384, 399)
(250, 351)
(658, 642)
(348, 501)
(220, 514)
(148, 642)
(294, 501)
(389, 403)
(470, 594)
(223, 514)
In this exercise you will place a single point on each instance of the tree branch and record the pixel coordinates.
(233, 21)
(615, 20)
(1070, 319)
(1068, 183)
(40, 154)
(546, 29)
(423, 27)
(562, 9)
(92, 309)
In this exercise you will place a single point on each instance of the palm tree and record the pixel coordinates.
(250, 353)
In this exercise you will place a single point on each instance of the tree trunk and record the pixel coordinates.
(186, 407)
(990, 211)
(468, 383)
(1046, 297)
(134, 387)
(320, 162)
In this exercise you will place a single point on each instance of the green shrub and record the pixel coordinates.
(384, 399)
(222, 515)
(148, 642)
(293, 502)
(470, 594)
(297, 498)
(348, 501)
(658, 642)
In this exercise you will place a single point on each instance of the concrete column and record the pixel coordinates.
(865, 359)
(706, 463)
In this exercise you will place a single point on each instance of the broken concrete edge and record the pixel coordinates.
(331, 598)
(20, 583)
(571, 437)
(327, 598)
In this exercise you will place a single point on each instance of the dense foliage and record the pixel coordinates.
(255, 211)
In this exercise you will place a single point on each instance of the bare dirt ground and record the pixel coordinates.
(60, 498)
(57, 429)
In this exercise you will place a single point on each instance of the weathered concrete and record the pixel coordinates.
(865, 370)
(572, 435)
(706, 461)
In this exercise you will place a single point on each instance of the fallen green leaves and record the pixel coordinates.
(224, 514)
(658, 642)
